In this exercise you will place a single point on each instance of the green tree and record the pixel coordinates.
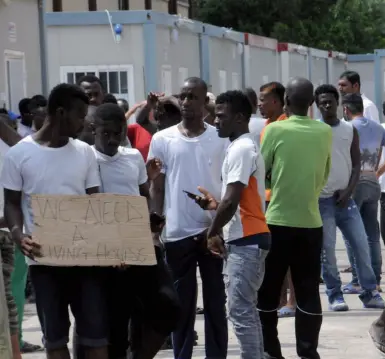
(352, 26)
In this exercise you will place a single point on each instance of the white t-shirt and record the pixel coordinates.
(188, 163)
(256, 126)
(35, 169)
(122, 173)
(244, 163)
(23, 130)
(382, 161)
(3, 150)
(370, 109)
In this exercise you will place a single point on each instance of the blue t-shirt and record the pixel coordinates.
(372, 138)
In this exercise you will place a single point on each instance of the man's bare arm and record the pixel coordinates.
(8, 134)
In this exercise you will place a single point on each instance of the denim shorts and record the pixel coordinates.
(81, 289)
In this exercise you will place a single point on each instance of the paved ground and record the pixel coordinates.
(343, 336)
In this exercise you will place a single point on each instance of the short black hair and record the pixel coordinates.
(110, 98)
(329, 89)
(36, 102)
(63, 95)
(252, 96)
(197, 81)
(276, 89)
(126, 106)
(354, 103)
(24, 106)
(109, 112)
(90, 79)
(352, 76)
(237, 101)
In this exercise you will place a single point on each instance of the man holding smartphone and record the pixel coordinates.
(240, 213)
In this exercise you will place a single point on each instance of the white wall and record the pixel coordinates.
(24, 15)
(94, 45)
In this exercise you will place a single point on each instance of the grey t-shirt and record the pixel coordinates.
(341, 166)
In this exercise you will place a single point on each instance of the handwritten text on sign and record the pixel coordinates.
(97, 230)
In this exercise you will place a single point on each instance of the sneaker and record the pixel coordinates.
(377, 334)
(338, 305)
(372, 300)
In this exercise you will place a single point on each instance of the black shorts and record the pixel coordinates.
(81, 288)
(146, 296)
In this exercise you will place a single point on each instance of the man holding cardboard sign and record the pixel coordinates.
(144, 294)
(50, 162)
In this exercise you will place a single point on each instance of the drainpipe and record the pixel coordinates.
(43, 49)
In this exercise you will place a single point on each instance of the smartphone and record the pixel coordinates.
(191, 195)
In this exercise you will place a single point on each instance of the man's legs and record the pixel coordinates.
(19, 281)
(243, 274)
(51, 290)
(382, 216)
(157, 308)
(351, 225)
(276, 267)
(87, 300)
(330, 272)
(7, 260)
(214, 302)
(182, 259)
(366, 196)
(305, 267)
(369, 212)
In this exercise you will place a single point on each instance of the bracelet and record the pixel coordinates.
(14, 228)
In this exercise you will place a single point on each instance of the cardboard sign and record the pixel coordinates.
(5, 340)
(97, 230)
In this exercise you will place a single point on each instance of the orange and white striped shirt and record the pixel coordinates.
(244, 163)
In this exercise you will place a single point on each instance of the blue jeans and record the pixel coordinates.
(349, 221)
(243, 273)
(366, 196)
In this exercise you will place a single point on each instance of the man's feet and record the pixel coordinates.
(372, 300)
(168, 343)
(200, 311)
(338, 305)
(30, 348)
(377, 333)
(352, 289)
(286, 312)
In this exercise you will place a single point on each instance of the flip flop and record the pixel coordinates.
(351, 289)
(27, 348)
(347, 270)
(286, 312)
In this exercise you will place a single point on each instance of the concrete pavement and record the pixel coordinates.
(343, 336)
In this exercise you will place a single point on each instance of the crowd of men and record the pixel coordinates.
(253, 202)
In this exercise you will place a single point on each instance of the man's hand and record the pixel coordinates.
(28, 246)
(342, 198)
(154, 168)
(153, 98)
(157, 222)
(157, 241)
(207, 201)
(216, 246)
